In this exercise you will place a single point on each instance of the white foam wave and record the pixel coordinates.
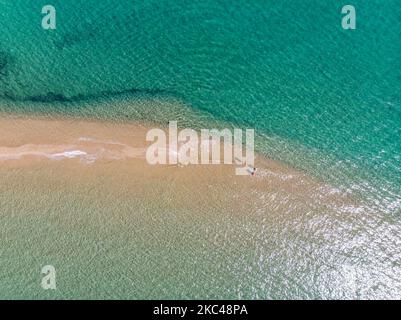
(68, 154)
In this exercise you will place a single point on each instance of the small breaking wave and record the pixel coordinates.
(68, 154)
(88, 154)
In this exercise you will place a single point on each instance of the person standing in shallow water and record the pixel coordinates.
(252, 171)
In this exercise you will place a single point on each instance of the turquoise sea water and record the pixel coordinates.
(322, 99)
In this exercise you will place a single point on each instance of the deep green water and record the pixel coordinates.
(323, 99)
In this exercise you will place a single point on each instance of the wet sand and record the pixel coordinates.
(106, 148)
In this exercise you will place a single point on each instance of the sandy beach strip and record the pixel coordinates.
(82, 150)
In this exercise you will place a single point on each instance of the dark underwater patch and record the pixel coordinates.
(7, 64)
(5, 61)
(59, 97)
(72, 39)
